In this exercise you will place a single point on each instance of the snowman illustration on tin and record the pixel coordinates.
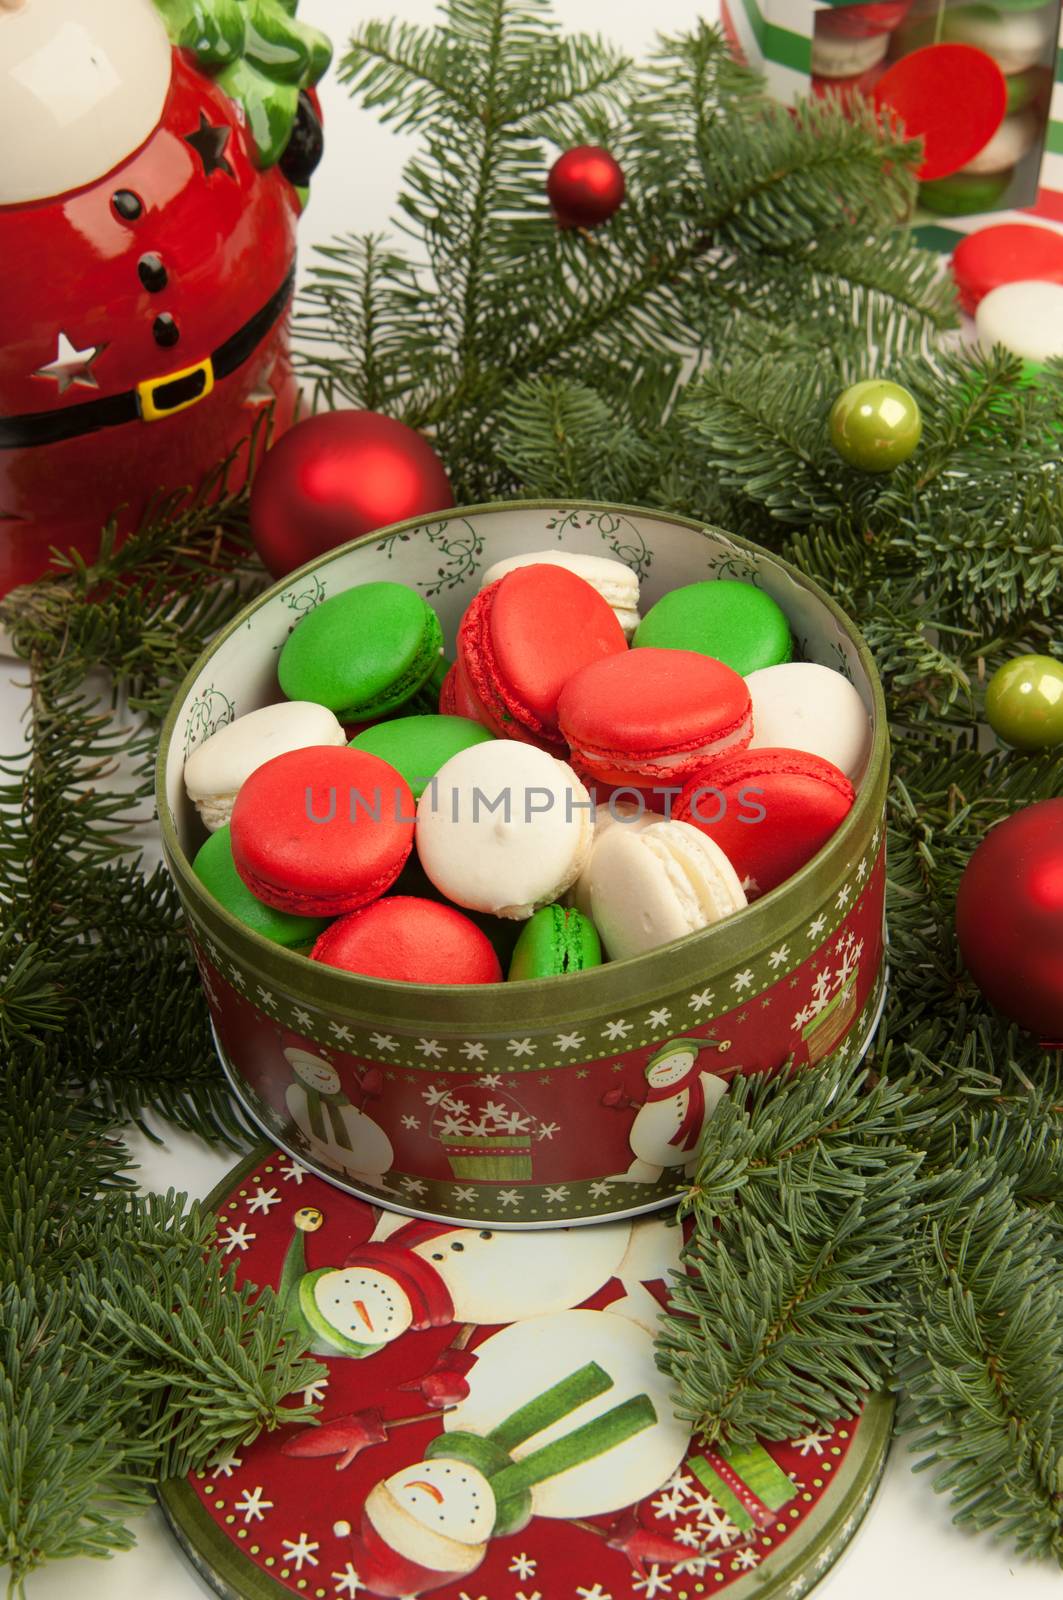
(680, 1098)
(337, 1133)
(412, 1274)
(566, 1416)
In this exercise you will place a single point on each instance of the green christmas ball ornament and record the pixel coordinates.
(875, 425)
(1024, 702)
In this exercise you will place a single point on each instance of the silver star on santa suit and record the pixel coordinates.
(72, 365)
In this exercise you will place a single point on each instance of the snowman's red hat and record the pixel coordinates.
(422, 1285)
(385, 1571)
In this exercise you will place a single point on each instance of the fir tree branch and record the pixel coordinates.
(984, 1364)
(800, 1201)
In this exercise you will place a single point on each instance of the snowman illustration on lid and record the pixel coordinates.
(680, 1098)
(340, 1135)
(411, 1274)
(566, 1416)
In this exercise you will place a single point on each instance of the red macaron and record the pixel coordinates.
(1010, 252)
(522, 639)
(863, 21)
(653, 716)
(323, 830)
(769, 811)
(844, 89)
(410, 941)
(448, 700)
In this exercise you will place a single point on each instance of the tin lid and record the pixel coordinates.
(481, 1449)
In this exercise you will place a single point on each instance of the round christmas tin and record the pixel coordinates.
(518, 1442)
(554, 1100)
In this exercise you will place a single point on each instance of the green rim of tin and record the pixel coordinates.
(536, 1002)
(807, 1555)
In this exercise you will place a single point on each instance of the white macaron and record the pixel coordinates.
(218, 767)
(615, 813)
(836, 55)
(649, 885)
(616, 583)
(503, 827)
(1026, 318)
(1008, 145)
(1015, 39)
(800, 705)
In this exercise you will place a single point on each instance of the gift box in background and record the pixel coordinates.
(991, 112)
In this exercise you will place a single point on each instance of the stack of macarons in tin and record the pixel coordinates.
(855, 46)
(1020, 36)
(580, 784)
(849, 47)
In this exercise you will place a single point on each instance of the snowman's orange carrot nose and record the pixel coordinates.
(359, 1306)
(429, 1488)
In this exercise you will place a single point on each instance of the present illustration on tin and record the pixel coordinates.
(487, 1134)
(828, 1015)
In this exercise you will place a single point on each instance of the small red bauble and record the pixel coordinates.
(1009, 918)
(337, 476)
(585, 186)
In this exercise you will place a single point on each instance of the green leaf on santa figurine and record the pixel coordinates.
(493, 1422)
(270, 108)
(261, 55)
(212, 29)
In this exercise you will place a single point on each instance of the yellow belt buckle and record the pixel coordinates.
(148, 391)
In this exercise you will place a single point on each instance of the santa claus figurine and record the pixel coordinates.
(156, 156)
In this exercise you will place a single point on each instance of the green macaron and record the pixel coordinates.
(556, 940)
(216, 871)
(425, 701)
(418, 746)
(737, 623)
(963, 194)
(362, 653)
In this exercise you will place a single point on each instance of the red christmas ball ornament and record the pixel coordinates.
(585, 186)
(1009, 919)
(339, 475)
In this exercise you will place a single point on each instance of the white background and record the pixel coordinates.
(906, 1546)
